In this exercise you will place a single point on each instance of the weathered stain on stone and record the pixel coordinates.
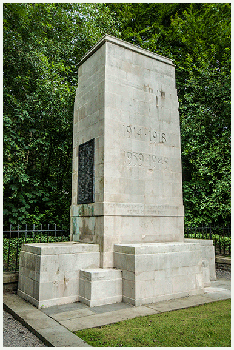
(86, 234)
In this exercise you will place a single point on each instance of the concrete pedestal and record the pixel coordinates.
(160, 271)
(59, 273)
(49, 272)
(100, 286)
(208, 254)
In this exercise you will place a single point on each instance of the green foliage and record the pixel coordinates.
(221, 242)
(200, 326)
(205, 111)
(42, 45)
(197, 38)
(30, 87)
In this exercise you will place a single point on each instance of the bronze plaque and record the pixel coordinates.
(86, 172)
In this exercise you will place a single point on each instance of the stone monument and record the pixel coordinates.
(127, 216)
(127, 177)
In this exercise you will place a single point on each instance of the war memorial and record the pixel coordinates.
(127, 216)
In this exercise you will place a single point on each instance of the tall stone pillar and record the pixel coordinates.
(127, 177)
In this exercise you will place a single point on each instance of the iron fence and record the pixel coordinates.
(14, 237)
(221, 236)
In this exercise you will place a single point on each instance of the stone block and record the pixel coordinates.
(129, 289)
(49, 263)
(120, 260)
(100, 286)
(49, 274)
(208, 253)
(46, 291)
(161, 271)
(206, 272)
(28, 285)
(87, 260)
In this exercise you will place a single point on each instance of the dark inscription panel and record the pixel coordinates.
(86, 172)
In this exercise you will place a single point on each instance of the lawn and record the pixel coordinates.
(206, 325)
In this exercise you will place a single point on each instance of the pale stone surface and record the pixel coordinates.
(49, 272)
(100, 286)
(67, 315)
(160, 271)
(127, 101)
(208, 254)
(107, 318)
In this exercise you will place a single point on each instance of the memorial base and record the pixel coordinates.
(143, 273)
(100, 286)
(49, 272)
(154, 272)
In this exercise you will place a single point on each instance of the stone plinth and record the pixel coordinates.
(126, 117)
(159, 271)
(49, 272)
(208, 254)
(100, 286)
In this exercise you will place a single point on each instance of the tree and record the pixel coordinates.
(42, 45)
(197, 38)
(205, 112)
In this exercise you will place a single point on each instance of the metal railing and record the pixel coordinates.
(221, 236)
(14, 237)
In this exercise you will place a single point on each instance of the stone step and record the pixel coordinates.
(100, 286)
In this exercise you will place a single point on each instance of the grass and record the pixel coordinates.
(207, 325)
